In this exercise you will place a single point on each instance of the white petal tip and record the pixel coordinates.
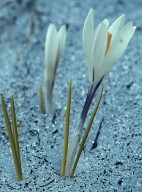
(122, 16)
(91, 11)
(90, 14)
(106, 22)
(134, 28)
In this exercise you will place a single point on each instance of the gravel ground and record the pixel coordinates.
(115, 165)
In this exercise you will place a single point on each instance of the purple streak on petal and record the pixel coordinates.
(90, 95)
(93, 75)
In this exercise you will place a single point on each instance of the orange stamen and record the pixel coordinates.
(108, 42)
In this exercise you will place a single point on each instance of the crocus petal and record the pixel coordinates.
(62, 39)
(116, 26)
(116, 51)
(51, 48)
(90, 60)
(88, 34)
(99, 50)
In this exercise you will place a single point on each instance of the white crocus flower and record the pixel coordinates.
(103, 46)
(54, 47)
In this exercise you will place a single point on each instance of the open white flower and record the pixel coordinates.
(104, 45)
(54, 47)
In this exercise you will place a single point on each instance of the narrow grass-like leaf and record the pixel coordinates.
(14, 124)
(15, 135)
(11, 138)
(42, 104)
(87, 132)
(66, 132)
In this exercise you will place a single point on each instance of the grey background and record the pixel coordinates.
(116, 163)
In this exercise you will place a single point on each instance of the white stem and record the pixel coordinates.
(73, 146)
(49, 96)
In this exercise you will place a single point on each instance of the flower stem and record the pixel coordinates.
(49, 90)
(86, 132)
(73, 145)
(42, 104)
(90, 95)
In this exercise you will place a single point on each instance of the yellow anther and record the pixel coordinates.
(108, 42)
